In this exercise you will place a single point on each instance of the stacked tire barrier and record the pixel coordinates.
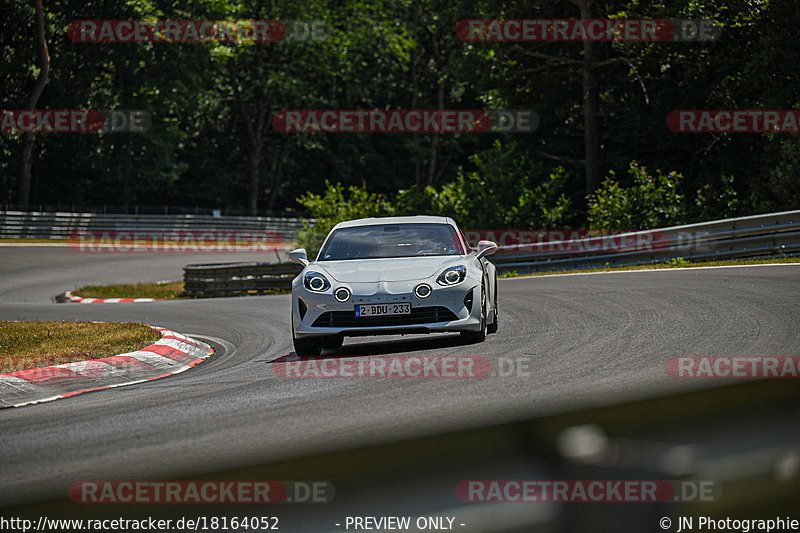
(238, 279)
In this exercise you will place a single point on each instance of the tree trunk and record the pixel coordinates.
(23, 192)
(276, 173)
(414, 92)
(436, 136)
(255, 134)
(591, 106)
(254, 183)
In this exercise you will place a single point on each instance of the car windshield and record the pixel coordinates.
(391, 240)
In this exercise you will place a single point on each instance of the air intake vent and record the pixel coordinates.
(468, 300)
(419, 315)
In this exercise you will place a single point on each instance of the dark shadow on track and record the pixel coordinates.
(383, 348)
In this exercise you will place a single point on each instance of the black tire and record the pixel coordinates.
(492, 328)
(474, 337)
(310, 347)
(332, 342)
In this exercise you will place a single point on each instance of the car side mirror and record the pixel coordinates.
(486, 248)
(299, 256)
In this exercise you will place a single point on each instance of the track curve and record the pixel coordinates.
(588, 340)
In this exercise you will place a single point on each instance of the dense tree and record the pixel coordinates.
(600, 105)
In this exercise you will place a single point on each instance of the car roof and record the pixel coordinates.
(418, 219)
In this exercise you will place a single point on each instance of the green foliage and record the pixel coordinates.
(499, 193)
(404, 54)
(781, 177)
(502, 191)
(334, 206)
(678, 262)
(651, 202)
(716, 199)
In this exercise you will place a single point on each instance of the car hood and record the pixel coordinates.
(389, 269)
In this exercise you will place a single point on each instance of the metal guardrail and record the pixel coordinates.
(160, 209)
(19, 224)
(769, 235)
(238, 279)
(774, 234)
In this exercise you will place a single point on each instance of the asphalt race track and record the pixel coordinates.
(588, 340)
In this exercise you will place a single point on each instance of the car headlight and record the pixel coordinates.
(452, 276)
(314, 281)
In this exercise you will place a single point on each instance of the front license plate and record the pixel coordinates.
(382, 310)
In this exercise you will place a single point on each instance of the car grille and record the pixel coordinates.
(419, 315)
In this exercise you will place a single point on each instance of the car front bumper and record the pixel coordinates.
(445, 310)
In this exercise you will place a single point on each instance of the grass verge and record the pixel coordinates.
(29, 240)
(162, 290)
(25, 345)
(678, 262)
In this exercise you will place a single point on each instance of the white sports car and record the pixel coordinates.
(393, 275)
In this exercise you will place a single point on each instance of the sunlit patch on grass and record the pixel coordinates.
(37, 344)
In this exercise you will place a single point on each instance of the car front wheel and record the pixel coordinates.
(309, 347)
(332, 342)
